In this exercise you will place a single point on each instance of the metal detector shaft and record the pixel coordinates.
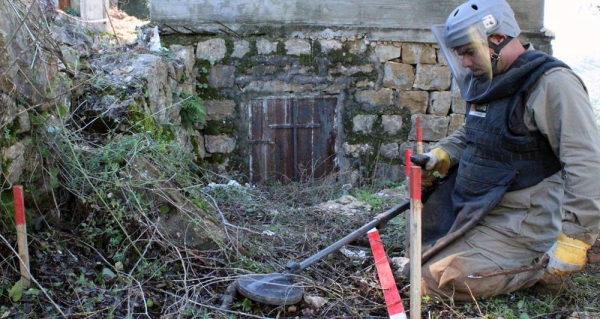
(294, 267)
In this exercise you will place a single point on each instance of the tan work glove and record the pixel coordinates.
(567, 255)
(436, 160)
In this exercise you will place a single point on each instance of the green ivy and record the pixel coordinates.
(192, 110)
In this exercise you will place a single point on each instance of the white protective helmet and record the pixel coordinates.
(473, 22)
(496, 16)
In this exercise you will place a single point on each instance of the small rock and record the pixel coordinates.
(315, 302)
(400, 266)
(356, 254)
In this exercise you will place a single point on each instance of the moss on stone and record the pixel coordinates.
(253, 49)
(218, 128)
(228, 46)
(306, 60)
(141, 122)
(8, 135)
(281, 48)
(216, 158)
(246, 63)
(203, 90)
(182, 39)
(208, 93)
(344, 57)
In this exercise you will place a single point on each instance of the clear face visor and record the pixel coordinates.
(470, 61)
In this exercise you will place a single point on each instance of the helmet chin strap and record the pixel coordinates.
(495, 56)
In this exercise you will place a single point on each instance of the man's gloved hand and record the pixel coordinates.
(435, 160)
(567, 255)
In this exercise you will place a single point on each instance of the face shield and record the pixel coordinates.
(468, 55)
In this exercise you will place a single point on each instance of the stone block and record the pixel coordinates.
(199, 141)
(264, 46)
(390, 150)
(365, 84)
(330, 45)
(218, 110)
(434, 127)
(185, 53)
(386, 52)
(221, 76)
(240, 48)
(223, 144)
(357, 46)
(432, 77)
(12, 112)
(456, 122)
(213, 50)
(363, 123)
(183, 77)
(415, 53)
(349, 70)
(356, 150)
(398, 76)
(392, 124)
(262, 70)
(459, 106)
(439, 103)
(297, 47)
(415, 101)
(15, 155)
(373, 98)
(154, 70)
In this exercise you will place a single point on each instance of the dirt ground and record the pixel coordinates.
(124, 25)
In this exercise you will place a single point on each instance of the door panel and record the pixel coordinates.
(292, 139)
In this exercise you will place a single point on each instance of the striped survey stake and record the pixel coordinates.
(22, 234)
(384, 271)
(407, 154)
(415, 230)
(415, 242)
(407, 164)
(419, 136)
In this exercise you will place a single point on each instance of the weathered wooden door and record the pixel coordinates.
(292, 139)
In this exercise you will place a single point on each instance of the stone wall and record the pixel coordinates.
(381, 87)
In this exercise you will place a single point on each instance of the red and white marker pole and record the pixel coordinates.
(407, 164)
(386, 277)
(419, 136)
(415, 242)
(22, 235)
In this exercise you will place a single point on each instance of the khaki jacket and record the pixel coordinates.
(559, 107)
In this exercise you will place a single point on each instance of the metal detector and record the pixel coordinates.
(281, 289)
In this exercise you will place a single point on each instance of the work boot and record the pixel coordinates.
(551, 284)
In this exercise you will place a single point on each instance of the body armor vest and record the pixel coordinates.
(500, 148)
